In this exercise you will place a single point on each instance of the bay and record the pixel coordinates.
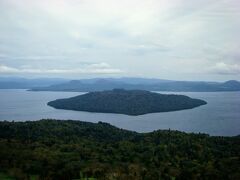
(220, 117)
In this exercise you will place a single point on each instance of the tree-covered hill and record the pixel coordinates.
(130, 102)
(56, 149)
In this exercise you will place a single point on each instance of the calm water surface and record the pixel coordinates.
(221, 116)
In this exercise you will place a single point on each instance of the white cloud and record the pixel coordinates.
(225, 69)
(99, 66)
(7, 69)
(102, 68)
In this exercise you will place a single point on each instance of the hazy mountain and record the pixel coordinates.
(99, 84)
(22, 83)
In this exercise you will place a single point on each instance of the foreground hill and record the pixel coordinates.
(55, 149)
(130, 102)
(87, 85)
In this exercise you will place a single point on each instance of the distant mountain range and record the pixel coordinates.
(22, 83)
(100, 84)
(129, 83)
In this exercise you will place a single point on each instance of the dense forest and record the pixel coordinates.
(130, 102)
(57, 149)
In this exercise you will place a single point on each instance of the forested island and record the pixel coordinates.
(58, 149)
(130, 102)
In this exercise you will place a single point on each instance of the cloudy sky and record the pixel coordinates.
(168, 39)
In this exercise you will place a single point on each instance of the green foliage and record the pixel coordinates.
(5, 176)
(55, 149)
(131, 102)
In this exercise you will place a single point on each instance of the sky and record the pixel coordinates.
(167, 39)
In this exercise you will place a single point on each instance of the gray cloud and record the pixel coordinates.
(149, 38)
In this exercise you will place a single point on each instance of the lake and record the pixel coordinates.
(221, 116)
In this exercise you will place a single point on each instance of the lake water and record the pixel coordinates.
(221, 116)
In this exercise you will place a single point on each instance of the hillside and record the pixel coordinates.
(130, 102)
(57, 149)
(88, 85)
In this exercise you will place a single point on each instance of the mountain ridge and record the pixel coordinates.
(100, 84)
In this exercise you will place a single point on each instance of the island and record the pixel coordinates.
(59, 149)
(129, 102)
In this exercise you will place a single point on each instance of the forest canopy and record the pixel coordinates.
(57, 149)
